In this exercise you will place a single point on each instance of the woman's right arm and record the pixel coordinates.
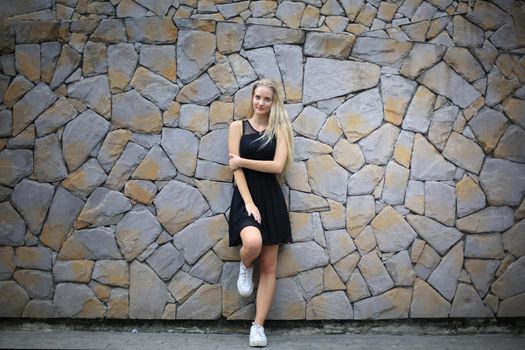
(234, 140)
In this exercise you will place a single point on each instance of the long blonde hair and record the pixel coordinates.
(278, 119)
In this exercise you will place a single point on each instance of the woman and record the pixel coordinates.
(259, 148)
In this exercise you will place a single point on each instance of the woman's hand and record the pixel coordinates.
(235, 162)
(253, 211)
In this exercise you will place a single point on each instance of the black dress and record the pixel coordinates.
(266, 194)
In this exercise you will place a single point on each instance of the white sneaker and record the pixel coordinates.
(257, 336)
(244, 282)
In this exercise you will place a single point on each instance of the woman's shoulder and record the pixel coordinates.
(236, 124)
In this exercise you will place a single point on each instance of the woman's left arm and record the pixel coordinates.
(275, 166)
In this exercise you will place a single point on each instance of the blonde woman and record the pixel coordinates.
(259, 148)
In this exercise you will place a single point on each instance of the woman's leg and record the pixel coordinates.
(251, 245)
(266, 290)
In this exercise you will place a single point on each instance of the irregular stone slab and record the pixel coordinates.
(154, 87)
(112, 147)
(400, 269)
(502, 181)
(192, 58)
(348, 155)
(444, 277)
(397, 93)
(440, 202)
(67, 63)
(103, 207)
(122, 60)
(49, 165)
(62, 214)
(234, 9)
(54, 117)
(85, 179)
(13, 227)
(155, 166)
(30, 106)
(356, 288)
(244, 72)
(151, 30)
(385, 52)
(182, 147)
(136, 231)
(13, 91)
(347, 265)
(14, 166)
(166, 261)
(118, 304)
(94, 61)
(515, 110)
(511, 145)
(379, 145)
(498, 88)
(428, 164)
(488, 126)
(213, 171)
(462, 61)
(39, 258)
(329, 306)
(464, 153)
(49, 52)
(27, 60)
(288, 303)
(339, 244)
(134, 112)
(194, 118)
(415, 197)
(160, 59)
(80, 136)
(205, 303)
(309, 122)
(26, 139)
(396, 179)
(290, 13)
(110, 30)
(218, 194)
(512, 307)
(265, 65)
(328, 45)
(112, 272)
(6, 119)
(427, 303)
(159, 7)
(328, 78)
(481, 272)
(202, 91)
(513, 239)
(91, 244)
(213, 147)
(125, 165)
(229, 37)
(32, 200)
(73, 271)
(360, 210)
(466, 33)
(422, 57)
(393, 304)
(141, 191)
(14, 299)
(365, 241)
(365, 180)
(7, 262)
(487, 15)
(492, 219)
(391, 231)
(224, 77)
(208, 268)
(290, 61)
(94, 92)
(183, 285)
(440, 237)
(444, 81)
(360, 115)
(322, 167)
(260, 36)
(307, 202)
(467, 303)
(306, 148)
(427, 262)
(300, 257)
(442, 124)
(147, 292)
(375, 274)
(330, 132)
(419, 111)
(470, 198)
(487, 245)
(198, 237)
(38, 309)
(73, 300)
(510, 283)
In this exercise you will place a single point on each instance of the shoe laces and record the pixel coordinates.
(259, 330)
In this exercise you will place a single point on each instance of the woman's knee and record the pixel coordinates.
(251, 241)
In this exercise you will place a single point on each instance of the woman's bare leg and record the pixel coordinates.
(267, 275)
(251, 245)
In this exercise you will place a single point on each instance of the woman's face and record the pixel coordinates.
(262, 100)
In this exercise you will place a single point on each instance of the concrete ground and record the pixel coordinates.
(63, 339)
(394, 335)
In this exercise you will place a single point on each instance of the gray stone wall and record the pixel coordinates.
(405, 197)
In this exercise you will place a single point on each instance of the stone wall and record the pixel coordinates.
(405, 197)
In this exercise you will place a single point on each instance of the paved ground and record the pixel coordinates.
(70, 339)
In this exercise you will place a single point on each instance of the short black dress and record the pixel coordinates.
(266, 194)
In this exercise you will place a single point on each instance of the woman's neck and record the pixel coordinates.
(260, 120)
